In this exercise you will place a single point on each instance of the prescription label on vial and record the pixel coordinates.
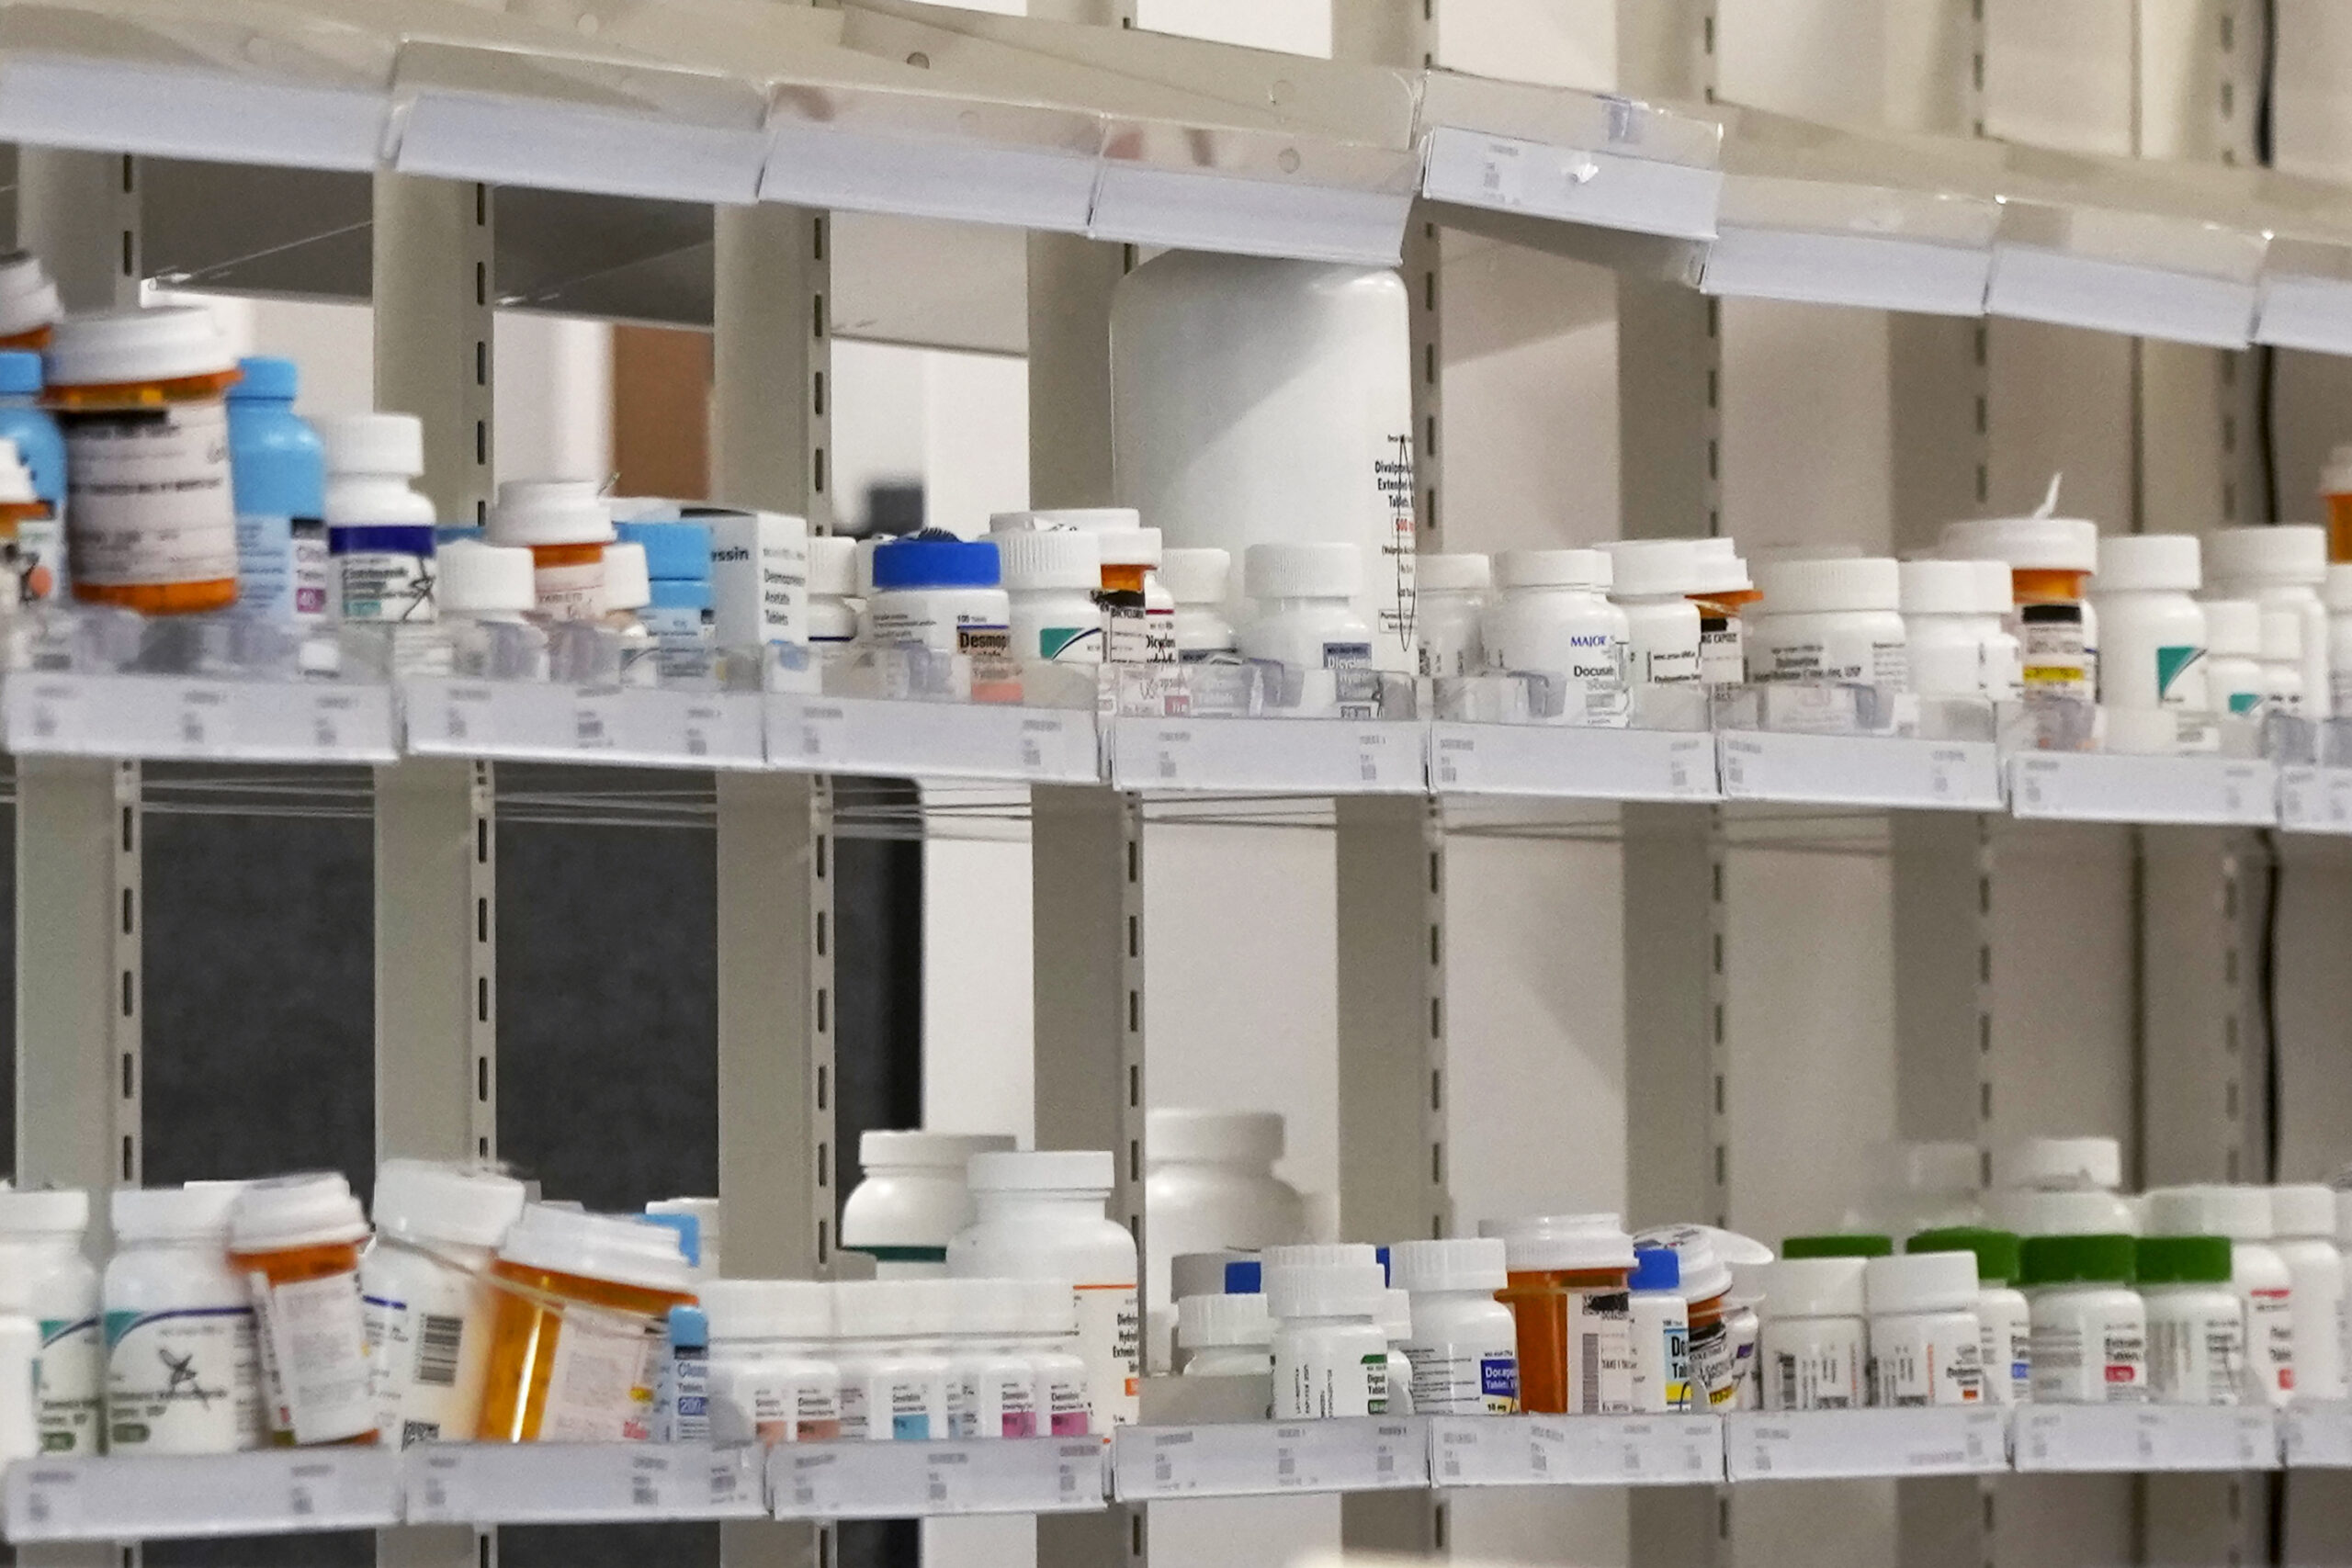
(1452, 1380)
(1713, 1376)
(1601, 1353)
(600, 1381)
(149, 497)
(314, 1356)
(186, 1380)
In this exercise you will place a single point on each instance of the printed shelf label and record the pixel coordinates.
(270, 1493)
(2145, 1436)
(1576, 1451)
(2315, 799)
(1861, 769)
(1289, 756)
(2318, 1437)
(1815, 1444)
(1564, 762)
(1263, 1458)
(185, 718)
(2093, 786)
(580, 1483)
(898, 1480)
(522, 720)
(924, 739)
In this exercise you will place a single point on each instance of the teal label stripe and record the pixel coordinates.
(902, 1254)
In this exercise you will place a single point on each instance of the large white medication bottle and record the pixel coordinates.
(1260, 401)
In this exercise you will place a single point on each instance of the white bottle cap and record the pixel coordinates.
(1208, 1322)
(2303, 1210)
(1445, 572)
(2079, 1212)
(549, 512)
(1302, 571)
(1320, 1255)
(16, 479)
(372, 443)
(158, 343)
(483, 580)
(2335, 478)
(196, 1212)
(2028, 544)
(2057, 1164)
(2233, 629)
(1563, 1241)
(1040, 1170)
(927, 1151)
(1717, 567)
(1920, 1282)
(1554, 568)
(767, 1309)
(1394, 1318)
(1216, 1136)
(620, 1247)
(1806, 587)
(1464, 1263)
(1325, 1289)
(423, 1200)
(1996, 588)
(1946, 587)
(1034, 558)
(833, 565)
(2241, 1214)
(2336, 591)
(2265, 555)
(1094, 519)
(1652, 568)
(1814, 1287)
(1048, 1306)
(704, 1212)
(1128, 546)
(629, 585)
(2149, 563)
(1196, 577)
(56, 1212)
(2282, 632)
(875, 1309)
(1704, 1256)
(28, 295)
(313, 1209)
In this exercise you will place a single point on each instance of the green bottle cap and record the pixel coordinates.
(1840, 1245)
(2184, 1261)
(1997, 1252)
(2076, 1260)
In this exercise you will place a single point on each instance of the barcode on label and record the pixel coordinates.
(436, 1351)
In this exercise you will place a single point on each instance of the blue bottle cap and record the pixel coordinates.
(689, 1231)
(679, 593)
(671, 549)
(689, 1329)
(934, 559)
(19, 372)
(265, 376)
(1379, 1254)
(1246, 1278)
(1657, 1268)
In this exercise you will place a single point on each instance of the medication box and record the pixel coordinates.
(759, 577)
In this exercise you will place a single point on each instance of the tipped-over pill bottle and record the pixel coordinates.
(2004, 1326)
(278, 476)
(1829, 620)
(1925, 1346)
(1568, 1276)
(2051, 562)
(1814, 1347)
(582, 1299)
(1450, 595)
(833, 601)
(1649, 579)
(1659, 1323)
(2233, 682)
(1551, 618)
(2089, 1326)
(41, 1252)
(151, 518)
(935, 592)
(29, 309)
(1196, 580)
(770, 1381)
(1721, 588)
(912, 1199)
(297, 1240)
(2279, 566)
(1302, 602)
(2265, 1286)
(1464, 1342)
(2151, 641)
(2303, 1226)
(1039, 1216)
(2285, 688)
(1210, 1184)
(1331, 1354)
(182, 1366)
(991, 1383)
(565, 524)
(40, 537)
(425, 1285)
(1052, 577)
(894, 1381)
(2196, 1324)
(379, 530)
(1227, 1336)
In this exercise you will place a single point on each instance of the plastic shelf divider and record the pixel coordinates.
(1269, 1458)
(562, 1483)
(132, 1497)
(2128, 1437)
(1561, 761)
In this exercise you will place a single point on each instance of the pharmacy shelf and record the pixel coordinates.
(2090, 786)
(554, 1484)
(889, 1481)
(1266, 1459)
(1277, 756)
(2316, 1437)
(1815, 1444)
(271, 1493)
(924, 740)
(2314, 799)
(1859, 770)
(1564, 761)
(185, 718)
(2134, 1438)
(523, 721)
(1584, 1450)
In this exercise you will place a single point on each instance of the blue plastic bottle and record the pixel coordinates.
(40, 542)
(280, 475)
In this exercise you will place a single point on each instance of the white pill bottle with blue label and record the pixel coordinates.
(379, 532)
(1464, 1343)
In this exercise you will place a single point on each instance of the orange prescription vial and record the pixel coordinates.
(141, 396)
(582, 1303)
(2051, 562)
(297, 1239)
(2336, 490)
(565, 524)
(1568, 1277)
(28, 303)
(1723, 591)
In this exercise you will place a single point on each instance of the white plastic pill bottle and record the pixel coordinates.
(2303, 1221)
(834, 603)
(19, 1376)
(2284, 685)
(565, 524)
(1813, 1349)
(1227, 1336)
(1925, 1345)
(1551, 617)
(1720, 587)
(2196, 1325)
(424, 1283)
(1051, 578)
(770, 1379)
(2284, 566)
(1450, 597)
(1464, 1343)
(1210, 1183)
(183, 1364)
(1039, 1216)
(1330, 1355)
(938, 592)
(1835, 619)
(893, 1379)
(1660, 1322)
(41, 1255)
(2336, 595)
(911, 1199)
(1649, 579)
(1724, 1323)
(1196, 580)
(2061, 1186)
(379, 531)
(2151, 639)
(2003, 1322)
(2003, 655)
(2090, 1329)
(2051, 562)
(1049, 1337)
(2265, 1286)
(1301, 606)
(2234, 680)
(1944, 634)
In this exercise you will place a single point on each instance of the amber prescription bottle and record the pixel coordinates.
(297, 1239)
